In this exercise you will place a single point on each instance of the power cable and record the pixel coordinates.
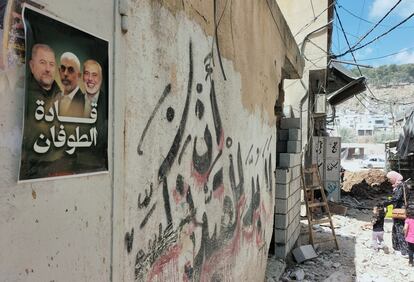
(313, 10)
(376, 38)
(362, 11)
(346, 39)
(365, 20)
(314, 19)
(386, 56)
(383, 18)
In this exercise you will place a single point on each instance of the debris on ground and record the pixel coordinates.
(366, 184)
(303, 253)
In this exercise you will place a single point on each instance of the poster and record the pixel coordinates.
(11, 34)
(65, 126)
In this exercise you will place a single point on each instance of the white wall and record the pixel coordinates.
(52, 230)
(218, 224)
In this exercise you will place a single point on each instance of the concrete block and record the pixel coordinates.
(282, 191)
(282, 134)
(294, 134)
(289, 159)
(294, 146)
(304, 253)
(287, 123)
(281, 206)
(294, 185)
(281, 251)
(281, 221)
(283, 175)
(281, 146)
(281, 235)
(296, 172)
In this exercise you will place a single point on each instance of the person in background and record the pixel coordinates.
(378, 227)
(409, 233)
(398, 241)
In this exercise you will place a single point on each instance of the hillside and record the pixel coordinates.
(387, 75)
(391, 85)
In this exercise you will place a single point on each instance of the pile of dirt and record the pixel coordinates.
(366, 184)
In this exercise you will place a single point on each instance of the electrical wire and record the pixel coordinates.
(313, 10)
(367, 21)
(362, 11)
(376, 38)
(386, 56)
(314, 19)
(346, 39)
(383, 18)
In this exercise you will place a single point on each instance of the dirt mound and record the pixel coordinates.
(366, 184)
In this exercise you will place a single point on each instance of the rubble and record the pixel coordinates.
(355, 260)
(366, 184)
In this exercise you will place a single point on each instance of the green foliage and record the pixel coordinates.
(386, 75)
(347, 134)
(382, 136)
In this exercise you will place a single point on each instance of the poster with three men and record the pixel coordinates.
(65, 131)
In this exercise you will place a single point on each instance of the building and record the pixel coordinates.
(190, 191)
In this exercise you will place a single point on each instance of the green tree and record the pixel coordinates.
(347, 134)
(382, 136)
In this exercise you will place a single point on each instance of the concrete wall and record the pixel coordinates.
(303, 19)
(300, 17)
(190, 192)
(53, 230)
(200, 140)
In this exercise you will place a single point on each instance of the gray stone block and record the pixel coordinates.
(287, 123)
(289, 160)
(303, 253)
(282, 146)
(283, 175)
(281, 221)
(281, 206)
(294, 146)
(281, 251)
(281, 236)
(282, 134)
(294, 134)
(296, 172)
(282, 191)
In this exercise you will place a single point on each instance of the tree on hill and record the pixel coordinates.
(388, 74)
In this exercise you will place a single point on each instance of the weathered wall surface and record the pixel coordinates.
(303, 19)
(200, 140)
(52, 230)
(190, 192)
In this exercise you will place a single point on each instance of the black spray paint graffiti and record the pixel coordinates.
(332, 166)
(335, 147)
(237, 219)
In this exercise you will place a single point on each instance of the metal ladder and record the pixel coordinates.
(312, 175)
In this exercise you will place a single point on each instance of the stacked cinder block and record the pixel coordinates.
(288, 184)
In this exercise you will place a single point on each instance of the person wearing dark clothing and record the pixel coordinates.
(378, 226)
(42, 93)
(398, 201)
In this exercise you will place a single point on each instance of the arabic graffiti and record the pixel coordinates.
(197, 174)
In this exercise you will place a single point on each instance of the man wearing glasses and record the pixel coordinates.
(72, 100)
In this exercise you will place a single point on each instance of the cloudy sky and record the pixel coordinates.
(399, 42)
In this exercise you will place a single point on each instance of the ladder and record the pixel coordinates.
(311, 183)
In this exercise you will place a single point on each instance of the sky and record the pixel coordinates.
(400, 40)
